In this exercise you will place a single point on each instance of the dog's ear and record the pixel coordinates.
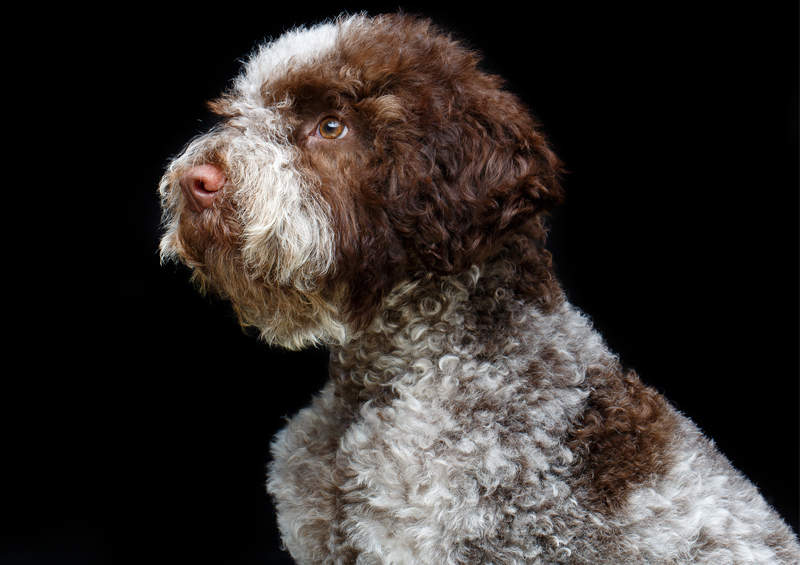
(483, 173)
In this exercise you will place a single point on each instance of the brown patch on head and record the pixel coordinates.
(622, 439)
(449, 167)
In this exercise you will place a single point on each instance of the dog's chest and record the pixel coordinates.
(456, 450)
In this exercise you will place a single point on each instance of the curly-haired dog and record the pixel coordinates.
(369, 188)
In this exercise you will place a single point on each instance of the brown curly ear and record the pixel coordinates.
(488, 173)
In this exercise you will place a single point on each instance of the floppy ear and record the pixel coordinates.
(486, 174)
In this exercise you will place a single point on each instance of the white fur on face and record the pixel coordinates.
(286, 239)
(300, 46)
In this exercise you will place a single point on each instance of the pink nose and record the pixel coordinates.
(201, 184)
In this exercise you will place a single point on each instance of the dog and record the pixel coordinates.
(369, 188)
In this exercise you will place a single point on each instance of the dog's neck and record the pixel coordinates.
(479, 315)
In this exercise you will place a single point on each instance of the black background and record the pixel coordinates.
(137, 415)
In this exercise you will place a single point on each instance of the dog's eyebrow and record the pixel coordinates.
(318, 82)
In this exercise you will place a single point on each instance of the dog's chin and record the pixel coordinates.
(288, 318)
(283, 315)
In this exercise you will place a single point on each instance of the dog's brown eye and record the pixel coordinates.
(331, 128)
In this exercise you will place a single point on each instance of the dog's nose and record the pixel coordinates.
(201, 184)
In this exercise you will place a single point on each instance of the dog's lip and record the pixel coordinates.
(198, 194)
(192, 203)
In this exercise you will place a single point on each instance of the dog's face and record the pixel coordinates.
(349, 157)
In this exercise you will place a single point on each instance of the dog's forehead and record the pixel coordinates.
(357, 57)
(298, 48)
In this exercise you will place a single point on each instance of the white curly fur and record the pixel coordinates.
(301, 46)
(702, 498)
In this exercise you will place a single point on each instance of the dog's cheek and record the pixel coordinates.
(369, 257)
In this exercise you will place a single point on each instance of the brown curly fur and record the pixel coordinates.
(622, 439)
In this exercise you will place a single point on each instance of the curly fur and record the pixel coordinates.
(472, 414)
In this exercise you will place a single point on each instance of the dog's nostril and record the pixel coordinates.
(200, 184)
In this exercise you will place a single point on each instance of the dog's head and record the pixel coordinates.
(349, 157)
